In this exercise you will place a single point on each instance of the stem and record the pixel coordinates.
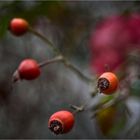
(44, 39)
(66, 63)
(77, 108)
(80, 108)
(110, 103)
(77, 71)
(56, 59)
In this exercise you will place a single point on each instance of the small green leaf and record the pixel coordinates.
(120, 121)
(106, 99)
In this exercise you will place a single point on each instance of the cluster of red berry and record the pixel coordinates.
(29, 69)
(112, 40)
(61, 121)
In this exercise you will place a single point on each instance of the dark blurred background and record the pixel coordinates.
(26, 106)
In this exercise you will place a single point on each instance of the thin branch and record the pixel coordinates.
(56, 59)
(77, 108)
(50, 44)
(77, 71)
(110, 103)
(65, 61)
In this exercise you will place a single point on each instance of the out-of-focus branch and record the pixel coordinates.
(116, 100)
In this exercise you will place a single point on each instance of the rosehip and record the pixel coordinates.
(61, 122)
(107, 83)
(28, 69)
(18, 26)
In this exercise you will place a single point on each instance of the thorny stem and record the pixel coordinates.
(65, 61)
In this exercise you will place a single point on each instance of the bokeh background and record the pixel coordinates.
(26, 106)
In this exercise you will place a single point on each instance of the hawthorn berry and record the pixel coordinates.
(28, 70)
(61, 122)
(18, 26)
(107, 83)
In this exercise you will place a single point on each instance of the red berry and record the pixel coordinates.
(61, 122)
(18, 26)
(28, 69)
(108, 83)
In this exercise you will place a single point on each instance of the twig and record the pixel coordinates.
(77, 71)
(50, 44)
(77, 108)
(110, 103)
(65, 61)
(56, 59)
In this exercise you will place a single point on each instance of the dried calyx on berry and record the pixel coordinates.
(28, 70)
(107, 83)
(61, 122)
(56, 126)
(103, 84)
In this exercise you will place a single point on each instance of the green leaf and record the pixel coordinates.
(106, 99)
(120, 121)
(4, 23)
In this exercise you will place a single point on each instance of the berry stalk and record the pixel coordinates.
(77, 109)
(56, 59)
(51, 45)
(116, 100)
(65, 61)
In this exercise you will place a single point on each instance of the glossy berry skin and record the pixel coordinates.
(18, 26)
(108, 83)
(61, 122)
(28, 69)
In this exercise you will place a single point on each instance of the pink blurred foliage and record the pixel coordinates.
(112, 39)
